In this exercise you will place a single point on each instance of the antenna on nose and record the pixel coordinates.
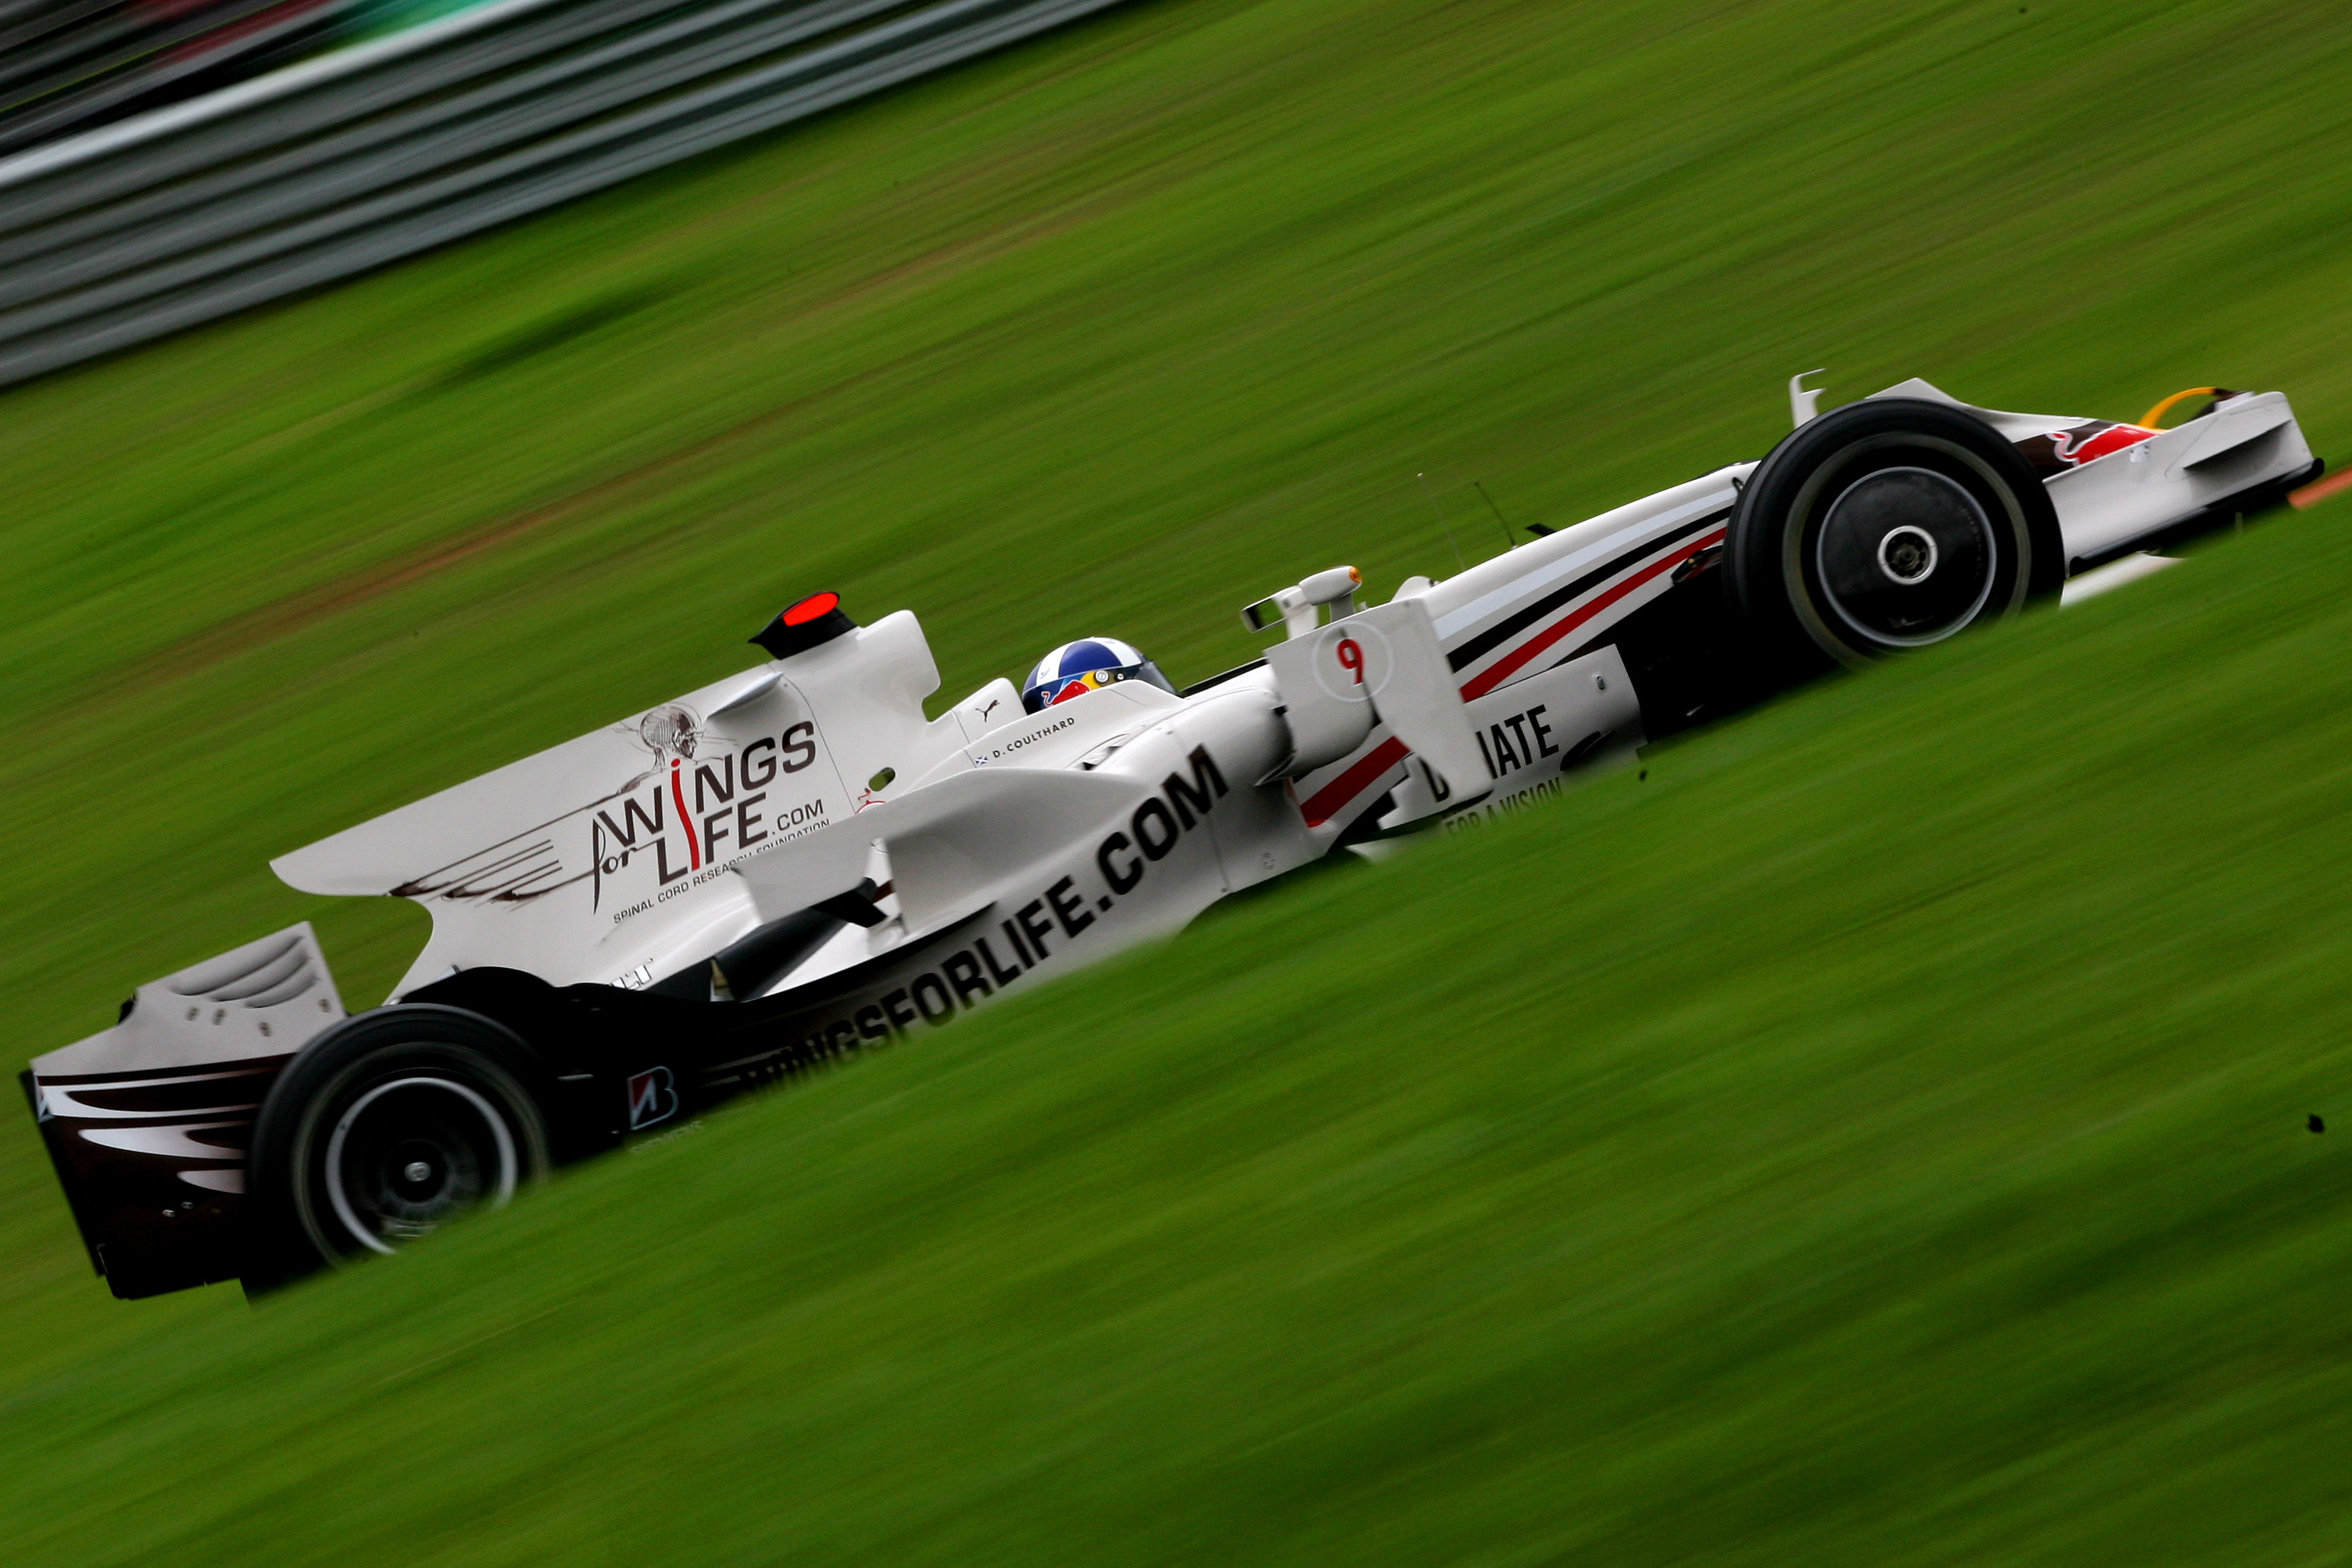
(1480, 486)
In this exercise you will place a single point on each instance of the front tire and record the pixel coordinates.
(1888, 525)
(386, 1127)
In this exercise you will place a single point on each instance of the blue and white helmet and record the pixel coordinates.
(1086, 664)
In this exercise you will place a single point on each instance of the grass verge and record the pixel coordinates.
(1876, 1134)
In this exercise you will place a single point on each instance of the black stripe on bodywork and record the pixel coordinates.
(1474, 649)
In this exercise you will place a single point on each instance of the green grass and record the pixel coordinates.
(1878, 1136)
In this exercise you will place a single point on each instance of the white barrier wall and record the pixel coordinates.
(346, 162)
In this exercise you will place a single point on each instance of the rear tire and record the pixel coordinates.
(383, 1129)
(1888, 525)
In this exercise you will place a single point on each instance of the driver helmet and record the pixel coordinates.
(1086, 664)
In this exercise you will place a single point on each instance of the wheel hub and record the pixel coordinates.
(1905, 556)
(410, 1153)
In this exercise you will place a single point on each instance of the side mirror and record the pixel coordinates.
(1295, 607)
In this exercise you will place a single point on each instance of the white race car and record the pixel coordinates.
(794, 862)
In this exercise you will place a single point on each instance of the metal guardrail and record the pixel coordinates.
(342, 164)
(69, 65)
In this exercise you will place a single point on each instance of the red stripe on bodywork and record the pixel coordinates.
(1345, 788)
(1325, 802)
(1491, 676)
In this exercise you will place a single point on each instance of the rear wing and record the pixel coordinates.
(148, 1122)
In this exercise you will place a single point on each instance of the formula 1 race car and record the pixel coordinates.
(793, 863)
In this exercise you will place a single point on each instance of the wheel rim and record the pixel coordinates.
(1905, 556)
(410, 1153)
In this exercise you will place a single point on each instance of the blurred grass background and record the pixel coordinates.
(1888, 1145)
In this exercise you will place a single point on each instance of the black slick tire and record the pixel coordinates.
(1888, 525)
(381, 1129)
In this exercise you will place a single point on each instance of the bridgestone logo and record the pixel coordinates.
(653, 1098)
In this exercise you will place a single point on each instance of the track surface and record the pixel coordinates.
(1880, 1134)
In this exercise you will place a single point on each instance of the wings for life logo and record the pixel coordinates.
(706, 802)
(713, 795)
(653, 1098)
